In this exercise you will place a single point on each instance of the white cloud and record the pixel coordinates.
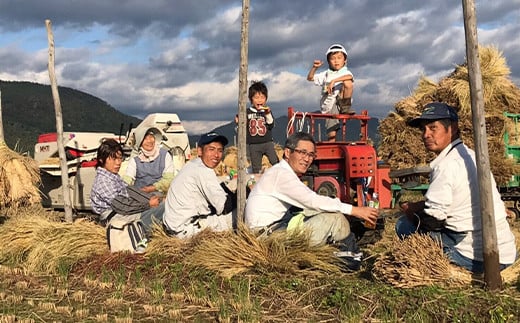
(185, 58)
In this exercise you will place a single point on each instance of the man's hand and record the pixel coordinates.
(155, 201)
(148, 189)
(410, 208)
(366, 213)
(232, 184)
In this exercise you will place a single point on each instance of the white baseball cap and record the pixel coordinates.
(336, 48)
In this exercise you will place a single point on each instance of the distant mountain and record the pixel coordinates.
(28, 111)
(280, 130)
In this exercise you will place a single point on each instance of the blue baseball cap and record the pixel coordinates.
(435, 111)
(211, 137)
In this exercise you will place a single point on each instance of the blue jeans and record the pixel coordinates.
(404, 227)
(154, 214)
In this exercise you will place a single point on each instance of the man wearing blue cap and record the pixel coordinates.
(451, 210)
(196, 199)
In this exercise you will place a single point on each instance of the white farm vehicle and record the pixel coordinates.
(81, 149)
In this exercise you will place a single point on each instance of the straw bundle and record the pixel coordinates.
(233, 254)
(19, 179)
(230, 255)
(418, 261)
(43, 245)
(164, 245)
(401, 146)
(512, 273)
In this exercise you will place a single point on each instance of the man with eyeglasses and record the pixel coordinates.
(281, 201)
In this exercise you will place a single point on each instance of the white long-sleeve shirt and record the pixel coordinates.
(453, 196)
(194, 192)
(277, 190)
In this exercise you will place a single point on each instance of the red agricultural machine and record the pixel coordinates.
(349, 170)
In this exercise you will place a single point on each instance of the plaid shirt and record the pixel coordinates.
(106, 187)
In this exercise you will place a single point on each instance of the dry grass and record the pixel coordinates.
(418, 261)
(43, 245)
(229, 254)
(230, 160)
(19, 179)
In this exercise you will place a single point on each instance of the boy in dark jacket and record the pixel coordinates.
(260, 122)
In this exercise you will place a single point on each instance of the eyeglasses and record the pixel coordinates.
(305, 153)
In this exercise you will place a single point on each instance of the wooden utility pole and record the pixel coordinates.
(489, 233)
(242, 102)
(67, 205)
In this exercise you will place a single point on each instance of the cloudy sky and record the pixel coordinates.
(183, 55)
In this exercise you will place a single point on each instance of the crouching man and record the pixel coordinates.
(279, 191)
(452, 209)
(196, 199)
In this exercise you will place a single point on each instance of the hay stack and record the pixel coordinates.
(44, 246)
(418, 261)
(231, 158)
(401, 146)
(19, 179)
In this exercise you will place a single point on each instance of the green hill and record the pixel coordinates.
(28, 111)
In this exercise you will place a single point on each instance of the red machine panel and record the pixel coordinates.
(361, 161)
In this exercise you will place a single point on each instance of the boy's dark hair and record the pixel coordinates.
(329, 54)
(257, 87)
(293, 140)
(108, 148)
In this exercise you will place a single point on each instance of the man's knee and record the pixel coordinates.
(335, 225)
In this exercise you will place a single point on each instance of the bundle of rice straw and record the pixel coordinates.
(19, 179)
(44, 246)
(230, 254)
(512, 273)
(164, 245)
(418, 261)
(401, 146)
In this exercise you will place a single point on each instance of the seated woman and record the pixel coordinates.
(152, 170)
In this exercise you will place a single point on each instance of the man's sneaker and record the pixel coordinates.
(350, 261)
(140, 249)
(141, 246)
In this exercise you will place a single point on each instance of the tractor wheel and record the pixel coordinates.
(517, 206)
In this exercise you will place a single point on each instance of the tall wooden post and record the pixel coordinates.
(242, 102)
(59, 127)
(489, 235)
